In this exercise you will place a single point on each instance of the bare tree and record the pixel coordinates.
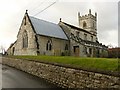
(2, 49)
(110, 46)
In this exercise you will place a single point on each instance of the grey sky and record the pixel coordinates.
(13, 12)
(119, 24)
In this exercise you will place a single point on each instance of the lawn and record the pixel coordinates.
(106, 64)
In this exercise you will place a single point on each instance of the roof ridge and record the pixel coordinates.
(72, 25)
(43, 20)
(47, 28)
(76, 27)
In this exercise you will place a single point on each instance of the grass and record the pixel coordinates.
(106, 64)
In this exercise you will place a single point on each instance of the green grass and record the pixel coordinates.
(106, 64)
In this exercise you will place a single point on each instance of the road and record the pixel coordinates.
(13, 78)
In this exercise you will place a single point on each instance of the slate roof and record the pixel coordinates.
(47, 28)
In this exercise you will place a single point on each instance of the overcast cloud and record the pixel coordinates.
(13, 12)
(119, 24)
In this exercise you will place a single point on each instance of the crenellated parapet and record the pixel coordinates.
(86, 16)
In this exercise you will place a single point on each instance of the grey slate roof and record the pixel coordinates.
(47, 28)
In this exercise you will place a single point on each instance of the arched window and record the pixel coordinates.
(49, 45)
(84, 24)
(25, 21)
(25, 39)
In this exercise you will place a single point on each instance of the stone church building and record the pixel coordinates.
(39, 37)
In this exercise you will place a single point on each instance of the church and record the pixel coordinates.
(40, 37)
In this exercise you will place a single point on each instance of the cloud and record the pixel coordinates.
(119, 24)
(13, 12)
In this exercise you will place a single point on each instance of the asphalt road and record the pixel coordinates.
(13, 78)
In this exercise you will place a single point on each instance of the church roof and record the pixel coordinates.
(47, 28)
(74, 27)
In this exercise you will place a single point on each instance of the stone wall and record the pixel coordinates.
(36, 43)
(32, 46)
(58, 45)
(69, 30)
(64, 76)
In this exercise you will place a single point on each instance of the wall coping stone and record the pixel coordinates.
(110, 73)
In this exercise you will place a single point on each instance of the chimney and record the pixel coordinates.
(60, 19)
(78, 14)
(26, 12)
(95, 14)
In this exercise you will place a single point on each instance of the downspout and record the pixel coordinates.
(37, 43)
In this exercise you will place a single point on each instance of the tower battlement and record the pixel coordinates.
(86, 16)
(88, 22)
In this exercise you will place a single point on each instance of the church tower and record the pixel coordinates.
(88, 22)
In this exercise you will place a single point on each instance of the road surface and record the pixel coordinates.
(13, 78)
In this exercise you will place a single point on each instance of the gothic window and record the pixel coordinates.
(66, 47)
(25, 21)
(25, 39)
(49, 45)
(84, 24)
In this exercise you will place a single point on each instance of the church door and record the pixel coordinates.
(76, 50)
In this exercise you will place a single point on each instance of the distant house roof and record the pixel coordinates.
(114, 49)
(47, 28)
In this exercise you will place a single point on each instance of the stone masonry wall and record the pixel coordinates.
(58, 45)
(64, 76)
(32, 46)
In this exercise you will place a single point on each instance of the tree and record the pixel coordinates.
(2, 50)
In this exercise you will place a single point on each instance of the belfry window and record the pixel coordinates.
(25, 39)
(84, 24)
(49, 45)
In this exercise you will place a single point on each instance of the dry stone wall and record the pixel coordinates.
(63, 76)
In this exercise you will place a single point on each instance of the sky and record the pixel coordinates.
(12, 12)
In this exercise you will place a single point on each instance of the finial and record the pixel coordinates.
(78, 13)
(95, 14)
(26, 11)
(60, 19)
(89, 11)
